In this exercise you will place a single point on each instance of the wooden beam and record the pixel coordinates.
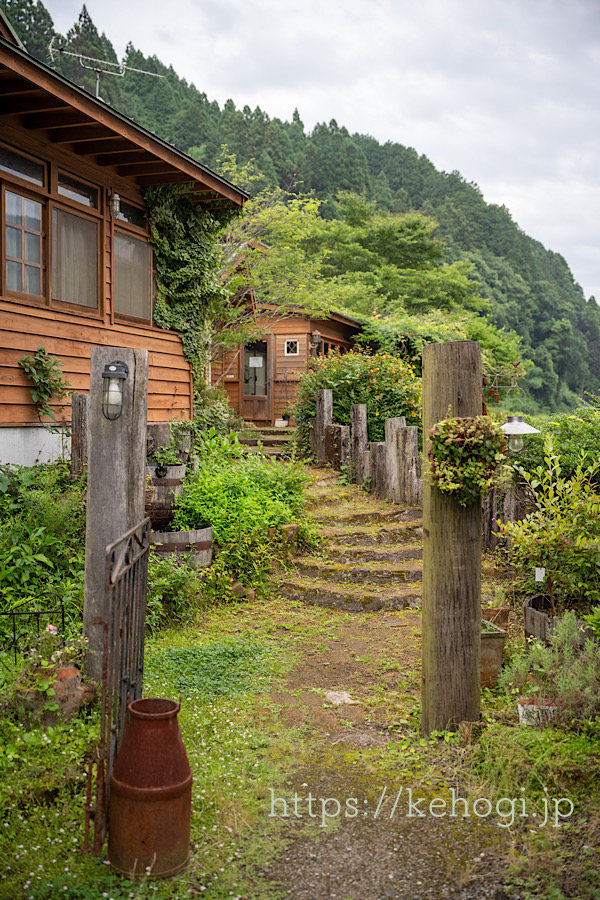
(133, 154)
(62, 118)
(175, 178)
(92, 148)
(10, 85)
(75, 133)
(451, 552)
(155, 166)
(31, 102)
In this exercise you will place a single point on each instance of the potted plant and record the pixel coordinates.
(164, 477)
(466, 457)
(49, 688)
(558, 681)
(493, 639)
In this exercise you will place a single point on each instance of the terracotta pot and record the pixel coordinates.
(151, 794)
(497, 615)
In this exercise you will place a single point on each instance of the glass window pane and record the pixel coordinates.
(14, 276)
(77, 190)
(33, 280)
(132, 214)
(14, 205)
(74, 259)
(33, 215)
(133, 277)
(13, 242)
(21, 166)
(33, 247)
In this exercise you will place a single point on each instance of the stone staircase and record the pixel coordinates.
(371, 555)
(274, 441)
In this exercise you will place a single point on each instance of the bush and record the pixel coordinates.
(564, 672)
(242, 499)
(42, 538)
(572, 434)
(562, 534)
(387, 384)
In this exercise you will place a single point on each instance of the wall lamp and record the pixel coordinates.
(114, 375)
(114, 204)
(516, 428)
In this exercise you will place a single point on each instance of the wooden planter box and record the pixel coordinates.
(198, 543)
(159, 503)
(492, 647)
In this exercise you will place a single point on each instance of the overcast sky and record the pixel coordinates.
(504, 91)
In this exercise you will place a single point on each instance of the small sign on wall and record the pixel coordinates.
(255, 362)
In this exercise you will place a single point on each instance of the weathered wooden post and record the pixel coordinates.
(79, 434)
(324, 417)
(360, 440)
(451, 552)
(115, 494)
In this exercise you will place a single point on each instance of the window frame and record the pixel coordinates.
(131, 231)
(285, 346)
(50, 199)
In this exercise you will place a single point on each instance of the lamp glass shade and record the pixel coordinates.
(114, 375)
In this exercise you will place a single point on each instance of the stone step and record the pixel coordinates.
(351, 598)
(382, 557)
(344, 573)
(376, 516)
(269, 440)
(357, 536)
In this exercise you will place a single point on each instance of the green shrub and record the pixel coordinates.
(572, 434)
(174, 590)
(466, 457)
(562, 534)
(42, 538)
(242, 499)
(387, 384)
(564, 672)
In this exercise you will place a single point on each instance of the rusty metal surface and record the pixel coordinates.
(151, 794)
(122, 664)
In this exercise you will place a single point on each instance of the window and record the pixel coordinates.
(22, 167)
(23, 232)
(292, 347)
(77, 190)
(74, 259)
(132, 214)
(133, 277)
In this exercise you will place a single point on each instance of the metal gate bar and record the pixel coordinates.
(123, 660)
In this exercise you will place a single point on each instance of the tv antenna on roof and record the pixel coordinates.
(99, 70)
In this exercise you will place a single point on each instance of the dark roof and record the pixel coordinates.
(39, 99)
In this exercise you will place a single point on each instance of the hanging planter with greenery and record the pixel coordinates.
(467, 457)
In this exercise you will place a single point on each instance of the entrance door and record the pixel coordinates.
(256, 397)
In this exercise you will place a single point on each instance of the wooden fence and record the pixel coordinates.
(392, 469)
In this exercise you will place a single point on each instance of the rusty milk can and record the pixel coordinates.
(150, 794)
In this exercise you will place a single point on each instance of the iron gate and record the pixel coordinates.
(122, 663)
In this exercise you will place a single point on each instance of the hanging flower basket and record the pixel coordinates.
(467, 457)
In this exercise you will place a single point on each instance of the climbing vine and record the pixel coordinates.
(44, 371)
(191, 294)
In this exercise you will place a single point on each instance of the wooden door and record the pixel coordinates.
(256, 377)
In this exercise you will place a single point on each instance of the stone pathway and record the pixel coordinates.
(352, 696)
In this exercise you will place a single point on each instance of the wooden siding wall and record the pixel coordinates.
(24, 328)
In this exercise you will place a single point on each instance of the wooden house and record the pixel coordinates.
(73, 273)
(261, 378)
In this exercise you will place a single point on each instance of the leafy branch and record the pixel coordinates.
(44, 370)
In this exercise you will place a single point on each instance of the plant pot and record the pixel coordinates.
(497, 615)
(198, 543)
(166, 483)
(537, 711)
(65, 697)
(492, 647)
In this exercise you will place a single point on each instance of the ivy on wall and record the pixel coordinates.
(191, 295)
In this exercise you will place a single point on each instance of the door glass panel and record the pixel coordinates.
(74, 259)
(33, 215)
(255, 369)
